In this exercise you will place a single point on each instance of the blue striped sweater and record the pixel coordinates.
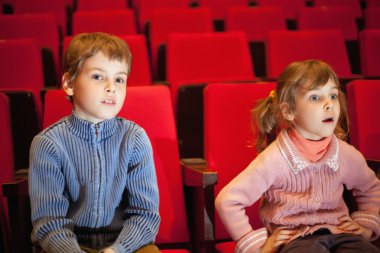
(99, 177)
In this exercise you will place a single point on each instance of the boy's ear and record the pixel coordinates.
(285, 112)
(67, 85)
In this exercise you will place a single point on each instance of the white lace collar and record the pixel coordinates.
(297, 163)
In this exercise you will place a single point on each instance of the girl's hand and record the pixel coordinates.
(280, 236)
(350, 226)
(109, 250)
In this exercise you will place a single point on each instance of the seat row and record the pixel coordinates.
(143, 8)
(228, 145)
(193, 60)
(255, 22)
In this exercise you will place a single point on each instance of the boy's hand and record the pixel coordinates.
(280, 236)
(352, 227)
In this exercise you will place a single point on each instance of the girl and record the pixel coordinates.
(301, 172)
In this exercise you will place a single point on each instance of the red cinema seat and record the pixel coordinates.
(354, 5)
(44, 28)
(364, 133)
(369, 41)
(229, 139)
(109, 21)
(57, 7)
(97, 5)
(146, 7)
(284, 47)
(7, 168)
(371, 18)
(256, 23)
(165, 21)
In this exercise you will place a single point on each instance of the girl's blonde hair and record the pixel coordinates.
(309, 74)
(85, 45)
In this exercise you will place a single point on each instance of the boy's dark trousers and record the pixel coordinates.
(324, 242)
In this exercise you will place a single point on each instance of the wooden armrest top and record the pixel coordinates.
(196, 173)
(16, 188)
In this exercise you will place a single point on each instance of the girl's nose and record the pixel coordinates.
(328, 106)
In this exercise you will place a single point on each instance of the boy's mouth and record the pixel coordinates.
(108, 101)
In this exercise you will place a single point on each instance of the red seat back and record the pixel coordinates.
(228, 136)
(21, 64)
(369, 41)
(146, 7)
(165, 21)
(219, 8)
(97, 5)
(290, 7)
(284, 47)
(42, 27)
(109, 21)
(21, 68)
(341, 18)
(255, 22)
(354, 5)
(362, 96)
(207, 57)
(371, 17)
(57, 7)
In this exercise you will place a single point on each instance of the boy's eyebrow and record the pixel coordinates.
(118, 73)
(123, 72)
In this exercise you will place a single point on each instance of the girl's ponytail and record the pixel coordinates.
(266, 121)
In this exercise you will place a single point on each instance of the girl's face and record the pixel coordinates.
(99, 90)
(317, 111)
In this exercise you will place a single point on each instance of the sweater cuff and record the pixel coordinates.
(252, 241)
(369, 220)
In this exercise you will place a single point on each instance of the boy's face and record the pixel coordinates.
(99, 90)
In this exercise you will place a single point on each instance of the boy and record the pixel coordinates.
(92, 179)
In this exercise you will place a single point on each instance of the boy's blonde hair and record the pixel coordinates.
(309, 74)
(85, 45)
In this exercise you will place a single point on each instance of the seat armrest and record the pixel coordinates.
(196, 173)
(375, 166)
(16, 188)
(16, 193)
(199, 183)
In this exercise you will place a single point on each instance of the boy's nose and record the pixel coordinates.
(110, 88)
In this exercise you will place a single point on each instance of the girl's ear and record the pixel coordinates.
(285, 112)
(67, 85)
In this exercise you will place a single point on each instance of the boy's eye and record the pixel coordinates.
(120, 80)
(313, 98)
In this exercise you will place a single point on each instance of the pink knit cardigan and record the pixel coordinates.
(297, 193)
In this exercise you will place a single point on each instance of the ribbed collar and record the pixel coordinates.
(309, 149)
(90, 131)
(297, 162)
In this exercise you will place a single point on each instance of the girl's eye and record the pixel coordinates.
(313, 98)
(334, 96)
(97, 77)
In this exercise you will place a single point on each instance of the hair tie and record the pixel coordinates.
(272, 94)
